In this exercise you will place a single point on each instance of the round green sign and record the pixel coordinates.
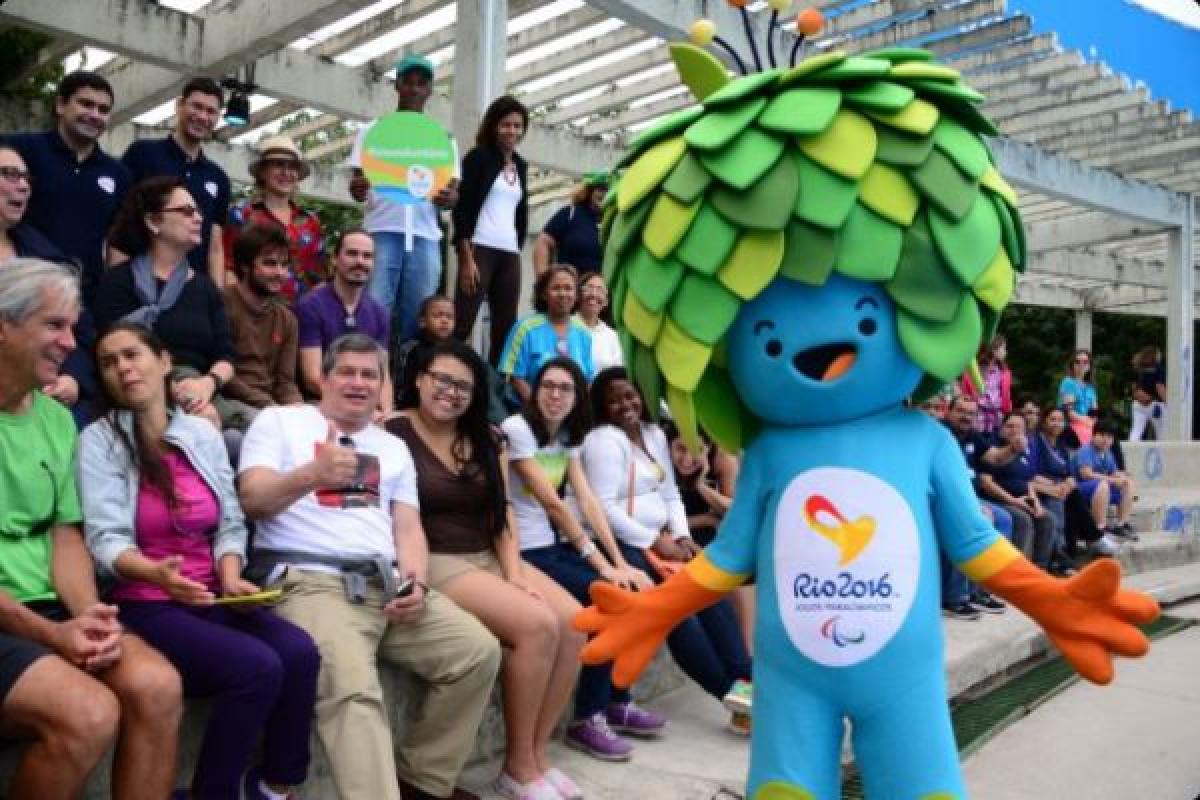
(408, 157)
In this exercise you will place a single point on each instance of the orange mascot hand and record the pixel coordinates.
(629, 627)
(1087, 616)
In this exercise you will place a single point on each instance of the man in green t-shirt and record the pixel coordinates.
(67, 672)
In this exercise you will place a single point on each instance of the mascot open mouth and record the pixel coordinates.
(827, 362)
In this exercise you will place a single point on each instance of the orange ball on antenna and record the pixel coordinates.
(737, 3)
(809, 21)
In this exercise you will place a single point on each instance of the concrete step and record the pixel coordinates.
(1167, 509)
(1157, 550)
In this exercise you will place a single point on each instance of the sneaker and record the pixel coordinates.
(567, 789)
(1106, 545)
(740, 697)
(963, 610)
(632, 720)
(594, 737)
(739, 723)
(540, 789)
(1127, 531)
(988, 603)
(251, 789)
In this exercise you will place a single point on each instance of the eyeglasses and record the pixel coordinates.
(554, 386)
(187, 211)
(447, 383)
(16, 174)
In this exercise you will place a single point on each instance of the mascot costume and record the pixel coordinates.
(794, 263)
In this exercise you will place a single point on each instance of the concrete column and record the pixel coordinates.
(1083, 329)
(1181, 290)
(479, 54)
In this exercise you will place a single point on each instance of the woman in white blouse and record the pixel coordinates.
(628, 465)
(593, 299)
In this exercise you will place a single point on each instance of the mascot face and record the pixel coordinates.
(814, 355)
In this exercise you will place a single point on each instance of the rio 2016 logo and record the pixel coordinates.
(830, 630)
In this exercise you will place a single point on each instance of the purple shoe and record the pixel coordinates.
(632, 720)
(593, 736)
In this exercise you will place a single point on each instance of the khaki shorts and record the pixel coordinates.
(444, 567)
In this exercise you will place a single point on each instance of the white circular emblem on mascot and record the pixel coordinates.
(847, 557)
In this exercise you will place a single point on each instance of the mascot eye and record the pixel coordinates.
(774, 348)
(867, 327)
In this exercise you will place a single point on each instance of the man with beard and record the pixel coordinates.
(197, 112)
(342, 306)
(264, 330)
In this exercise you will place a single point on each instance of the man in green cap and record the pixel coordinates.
(572, 235)
(408, 258)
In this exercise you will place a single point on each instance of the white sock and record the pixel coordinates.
(270, 793)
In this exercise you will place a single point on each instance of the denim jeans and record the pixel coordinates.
(562, 563)
(955, 586)
(402, 278)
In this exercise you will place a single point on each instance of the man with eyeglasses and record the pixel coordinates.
(181, 154)
(69, 678)
(77, 187)
(335, 500)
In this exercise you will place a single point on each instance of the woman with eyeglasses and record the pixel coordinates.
(161, 515)
(159, 223)
(544, 462)
(475, 559)
(593, 299)
(549, 332)
(1077, 395)
(628, 464)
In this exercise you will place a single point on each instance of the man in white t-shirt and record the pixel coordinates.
(335, 499)
(408, 257)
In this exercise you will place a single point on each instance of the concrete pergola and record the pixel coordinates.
(1106, 174)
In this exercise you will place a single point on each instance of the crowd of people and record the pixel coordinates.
(202, 399)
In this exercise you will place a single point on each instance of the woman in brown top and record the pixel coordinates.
(475, 560)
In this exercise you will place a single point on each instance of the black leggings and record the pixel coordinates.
(500, 282)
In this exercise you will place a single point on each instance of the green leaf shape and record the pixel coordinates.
(963, 147)
(812, 64)
(766, 205)
(809, 253)
(900, 55)
(855, 68)
(1014, 241)
(746, 160)
(628, 346)
(967, 113)
(700, 70)
(688, 180)
(993, 180)
(917, 117)
(646, 373)
(969, 244)
(653, 280)
(801, 111)
(645, 174)
(681, 358)
(901, 149)
(846, 147)
(942, 349)
(743, 87)
(923, 285)
(753, 263)
(668, 222)
(869, 246)
(626, 228)
(956, 91)
(640, 321)
(926, 72)
(703, 308)
(619, 289)
(880, 96)
(683, 414)
(997, 283)
(708, 242)
(944, 185)
(825, 198)
(719, 411)
(718, 128)
(888, 193)
(669, 125)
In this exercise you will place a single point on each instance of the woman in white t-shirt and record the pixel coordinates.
(543, 453)
(593, 299)
(628, 464)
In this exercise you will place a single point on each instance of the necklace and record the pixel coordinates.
(510, 174)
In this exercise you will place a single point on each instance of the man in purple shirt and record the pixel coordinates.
(341, 306)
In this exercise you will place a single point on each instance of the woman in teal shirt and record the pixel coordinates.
(1077, 395)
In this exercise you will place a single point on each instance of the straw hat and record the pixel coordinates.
(276, 147)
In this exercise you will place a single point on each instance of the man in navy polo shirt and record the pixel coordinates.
(572, 235)
(77, 186)
(180, 154)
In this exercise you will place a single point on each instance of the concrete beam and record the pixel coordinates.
(617, 98)
(607, 75)
(1028, 121)
(1079, 230)
(1094, 266)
